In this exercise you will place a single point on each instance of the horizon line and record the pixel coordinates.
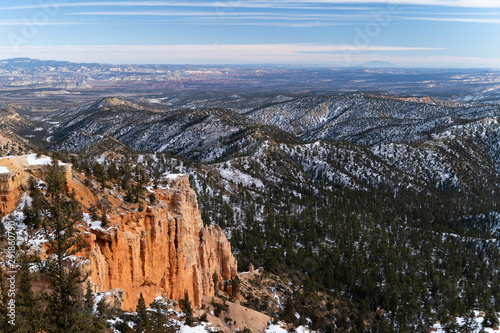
(312, 65)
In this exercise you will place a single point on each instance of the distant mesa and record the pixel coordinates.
(378, 64)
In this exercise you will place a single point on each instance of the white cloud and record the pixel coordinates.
(457, 19)
(446, 3)
(27, 22)
(266, 3)
(232, 15)
(213, 4)
(204, 53)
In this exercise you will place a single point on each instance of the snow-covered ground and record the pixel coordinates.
(238, 177)
(176, 319)
(33, 160)
(478, 320)
(279, 328)
(42, 160)
(275, 329)
(94, 225)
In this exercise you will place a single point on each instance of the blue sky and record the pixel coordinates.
(410, 33)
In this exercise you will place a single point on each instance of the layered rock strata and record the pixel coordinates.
(163, 251)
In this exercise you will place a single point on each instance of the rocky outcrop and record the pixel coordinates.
(163, 251)
(9, 201)
(15, 172)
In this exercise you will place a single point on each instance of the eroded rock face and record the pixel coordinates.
(9, 201)
(163, 251)
(16, 171)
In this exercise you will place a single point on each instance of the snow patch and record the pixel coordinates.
(236, 176)
(478, 323)
(275, 329)
(174, 176)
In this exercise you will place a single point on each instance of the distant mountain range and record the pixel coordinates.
(387, 133)
(48, 81)
(378, 64)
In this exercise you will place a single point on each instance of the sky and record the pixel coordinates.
(407, 33)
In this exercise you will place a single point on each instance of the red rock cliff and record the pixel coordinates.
(164, 250)
(14, 174)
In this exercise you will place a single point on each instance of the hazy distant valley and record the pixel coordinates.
(50, 85)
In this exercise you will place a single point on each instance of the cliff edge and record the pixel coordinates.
(164, 250)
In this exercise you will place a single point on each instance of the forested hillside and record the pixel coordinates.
(382, 213)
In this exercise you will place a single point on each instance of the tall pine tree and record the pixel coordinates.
(142, 316)
(28, 307)
(5, 326)
(60, 218)
(188, 309)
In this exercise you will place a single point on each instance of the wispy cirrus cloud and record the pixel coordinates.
(240, 17)
(268, 3)
(209, 53)
(292, 19)
(266, 23)
(256, 15)
(481, 20)
(209, 4)
(442, 3)
(25, 22)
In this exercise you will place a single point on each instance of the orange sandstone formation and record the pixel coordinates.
(15, 172)
(163, 251)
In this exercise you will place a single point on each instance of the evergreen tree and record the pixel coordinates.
(158, 318)
(470, 323)
(235, 283)
(32, 214)
(152, 198)
(490, 319)
(28, 309)
(89, 298)
(93, 211)
(451, 326)
(61, 216)
(215, 278)
(289, 310)
(90, 322)
(188, 309)
(5, 326)
(102, 308)
(104, 218)
(142, 315)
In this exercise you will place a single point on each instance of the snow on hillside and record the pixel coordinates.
(363, 118)
(94, 225)
(275, 329)
(477, 324)
(31, 160)
(175, 320)
(279, 328)
(238, 177)
(34, 160)
(17, 217)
